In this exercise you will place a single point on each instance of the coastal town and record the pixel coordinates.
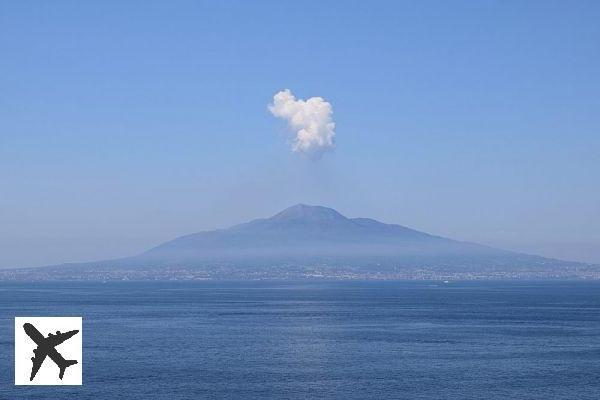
(290, 272)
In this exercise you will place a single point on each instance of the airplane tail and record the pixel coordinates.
(64, 366)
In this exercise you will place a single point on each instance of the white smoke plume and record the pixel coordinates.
(310, 120)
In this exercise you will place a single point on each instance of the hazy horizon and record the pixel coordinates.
(123, 126)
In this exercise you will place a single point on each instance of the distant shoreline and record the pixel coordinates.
(306, 274)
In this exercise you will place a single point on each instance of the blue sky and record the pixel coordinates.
(123, 124)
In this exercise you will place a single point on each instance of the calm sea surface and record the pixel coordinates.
(346, 340)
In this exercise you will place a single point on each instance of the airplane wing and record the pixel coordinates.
(55, 340)
(37, 363)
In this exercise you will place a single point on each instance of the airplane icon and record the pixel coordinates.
(46, 347)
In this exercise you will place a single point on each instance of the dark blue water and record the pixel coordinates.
(356, 340)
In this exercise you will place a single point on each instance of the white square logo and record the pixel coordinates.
(48, 350)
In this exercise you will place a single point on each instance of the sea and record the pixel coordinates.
(319, 340)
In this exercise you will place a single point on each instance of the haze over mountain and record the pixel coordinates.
(304, 235)
(313, 241)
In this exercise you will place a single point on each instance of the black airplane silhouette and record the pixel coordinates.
(46, 347)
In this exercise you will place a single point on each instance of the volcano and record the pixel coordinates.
(314, 235)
